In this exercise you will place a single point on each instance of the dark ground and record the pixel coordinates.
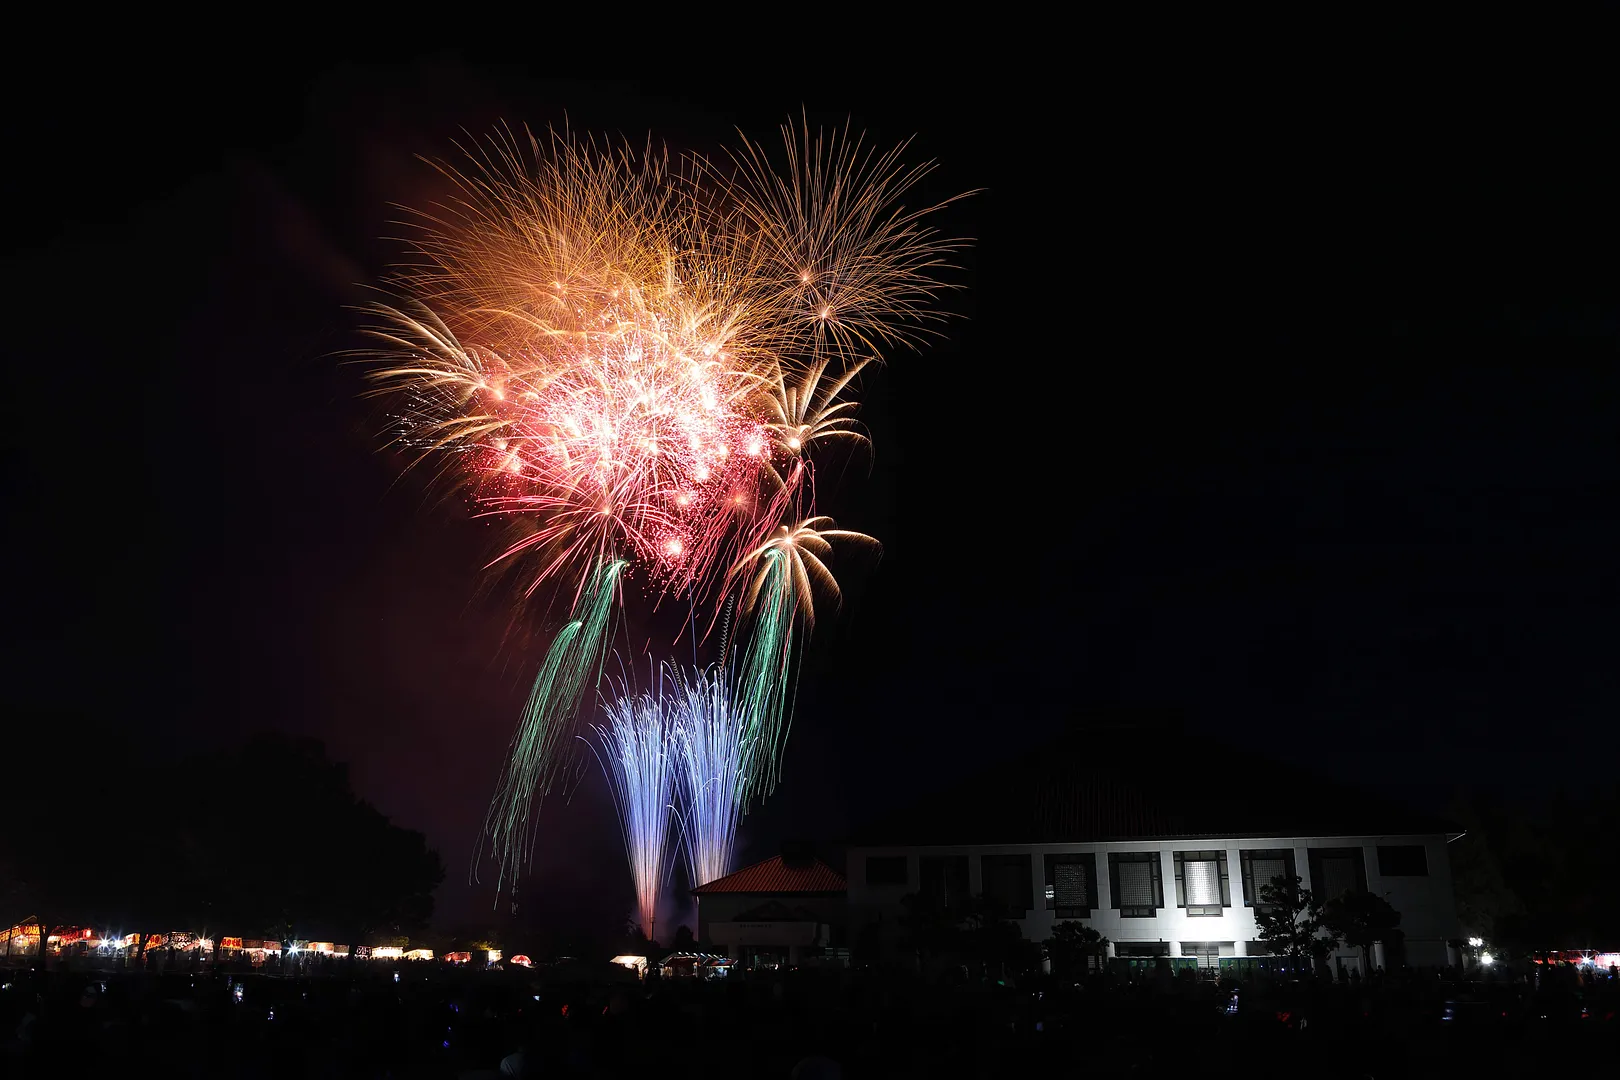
(438, 1022)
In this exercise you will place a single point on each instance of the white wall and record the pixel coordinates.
(1428, 910)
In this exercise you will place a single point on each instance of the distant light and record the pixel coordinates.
(1474, 942)
(1487, 959)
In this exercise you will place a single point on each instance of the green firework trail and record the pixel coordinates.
(765, 677)
(573, 665)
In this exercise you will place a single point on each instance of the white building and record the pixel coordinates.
(1159, 863)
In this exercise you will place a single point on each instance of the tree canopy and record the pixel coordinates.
(267, 839)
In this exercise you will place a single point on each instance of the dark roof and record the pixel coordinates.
(1129, 782)
(775, 876)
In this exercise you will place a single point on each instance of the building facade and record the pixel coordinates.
(1161, 862)
(1194, 896)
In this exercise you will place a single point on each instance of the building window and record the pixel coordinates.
(885, 869)
(1138, 884)
(1336, 871)
(1008, 883)
(942, 880)
(1202, 886)
(1069, 884)
(1260, 868)
(1207, 953)
(1403, 860)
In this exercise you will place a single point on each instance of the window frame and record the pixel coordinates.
(1050, 860)
(1251, 887)
(1218, 857)
(1421, 849)
(1156, 865)
(1314, 857)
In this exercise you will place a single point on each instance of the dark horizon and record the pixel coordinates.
(1293, 416)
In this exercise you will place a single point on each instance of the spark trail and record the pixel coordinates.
(638, 759)
(572, 666)
(712, 746)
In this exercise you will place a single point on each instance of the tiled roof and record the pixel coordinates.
(775, 876)
(1134, 784)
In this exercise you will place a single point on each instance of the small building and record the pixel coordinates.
(788, 911)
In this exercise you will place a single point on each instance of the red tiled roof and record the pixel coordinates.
(774, 876)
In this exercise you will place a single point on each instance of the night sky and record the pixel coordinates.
(1290, 414)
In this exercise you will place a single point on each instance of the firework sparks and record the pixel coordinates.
(639, 763)
(632, 363)
(622, 353)
(572, 666)
(713, 746)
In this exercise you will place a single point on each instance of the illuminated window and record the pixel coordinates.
(1137, 882)
(1069, 884)
(885, 869)
(1201, 882)
(1260, 866)
(1403, 860)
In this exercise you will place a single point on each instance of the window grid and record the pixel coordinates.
(1070, 884)
(1259, 866)
(1136, 881)
(1336, 871)
(1202, 885)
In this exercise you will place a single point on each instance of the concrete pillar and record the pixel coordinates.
(1240, 947)
(1377, 957)
(1110, 950)
(1175, 948)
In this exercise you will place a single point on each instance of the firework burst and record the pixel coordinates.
(631, 360)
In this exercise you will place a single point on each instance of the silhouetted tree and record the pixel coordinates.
(1362, 919)
(1070, 945)
(1290, 919)
(992, 944)
(928, 930)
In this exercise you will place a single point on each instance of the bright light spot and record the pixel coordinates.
(1487, 959)
(754, 447)
(683, 499)
(793, 443)
(710, 350)
(1474, 942)
(804, 276)
(826, 312)
(702, 473)
(673, 547)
